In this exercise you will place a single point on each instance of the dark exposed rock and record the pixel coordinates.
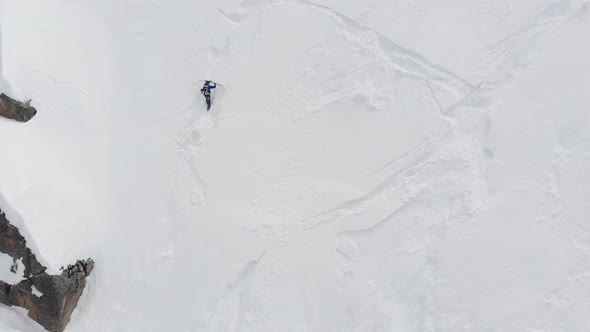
(15, 245)
(60, 293)
(16, 110)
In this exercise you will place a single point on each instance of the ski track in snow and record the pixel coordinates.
(402, 60)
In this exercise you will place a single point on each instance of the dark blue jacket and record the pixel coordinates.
(207, 88)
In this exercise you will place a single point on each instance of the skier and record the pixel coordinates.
(206, 91)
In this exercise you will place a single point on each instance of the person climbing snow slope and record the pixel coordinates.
(206, 91)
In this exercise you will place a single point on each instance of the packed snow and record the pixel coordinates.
(367, 165)
(36, 292)
(11, 271)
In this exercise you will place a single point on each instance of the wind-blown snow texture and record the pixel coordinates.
(372, 165)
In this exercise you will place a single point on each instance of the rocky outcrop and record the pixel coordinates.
(16, 110)
(49, 299)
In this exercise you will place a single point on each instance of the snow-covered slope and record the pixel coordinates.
(367, 166)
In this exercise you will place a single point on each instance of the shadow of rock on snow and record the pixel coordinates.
(49, 299)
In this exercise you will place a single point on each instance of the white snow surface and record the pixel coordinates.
(372, 165)
(7, 274)
(36, 292)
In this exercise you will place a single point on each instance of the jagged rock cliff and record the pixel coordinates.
(49, 299)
